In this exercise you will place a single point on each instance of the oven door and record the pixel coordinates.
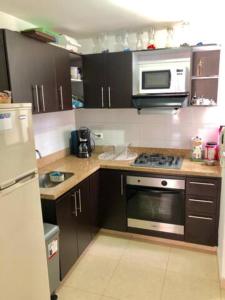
(156, 209)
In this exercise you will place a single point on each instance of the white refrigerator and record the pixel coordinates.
(23, 263)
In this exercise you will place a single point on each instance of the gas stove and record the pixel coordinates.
(158, 161)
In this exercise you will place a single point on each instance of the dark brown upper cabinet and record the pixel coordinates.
(205, 75)
(63, 79)
(107, 80)
(36, 72)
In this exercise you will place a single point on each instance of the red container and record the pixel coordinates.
(211, 151)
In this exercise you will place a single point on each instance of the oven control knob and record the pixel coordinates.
(164, 183)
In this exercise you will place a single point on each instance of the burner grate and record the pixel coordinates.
(156, 160)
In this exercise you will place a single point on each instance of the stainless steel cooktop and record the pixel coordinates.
(158, 161)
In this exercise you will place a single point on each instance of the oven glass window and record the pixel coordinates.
(165, 206)
(156, 79)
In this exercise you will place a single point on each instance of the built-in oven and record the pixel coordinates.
(156, 204)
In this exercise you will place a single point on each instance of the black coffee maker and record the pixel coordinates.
(84, 142)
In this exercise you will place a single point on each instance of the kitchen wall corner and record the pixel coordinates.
(52, 131)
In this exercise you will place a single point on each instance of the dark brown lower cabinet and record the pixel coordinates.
(68, 236)
(112, 200)
(201, 230)
(202, 210)
(94, 202)
(71, 213)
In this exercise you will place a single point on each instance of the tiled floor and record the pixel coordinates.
(120, 268)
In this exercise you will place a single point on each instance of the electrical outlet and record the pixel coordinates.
(99, 135)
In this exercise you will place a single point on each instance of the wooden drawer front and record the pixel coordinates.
(202, 187)
(202, 207)
(200, 230)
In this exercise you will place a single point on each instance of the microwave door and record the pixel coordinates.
(156, 81)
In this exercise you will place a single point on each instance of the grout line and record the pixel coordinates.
(165, 274)
(116, 267)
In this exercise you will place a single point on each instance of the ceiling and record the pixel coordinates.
(83, 18)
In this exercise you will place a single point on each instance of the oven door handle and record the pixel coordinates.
(161, 191)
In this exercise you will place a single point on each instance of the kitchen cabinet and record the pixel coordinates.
(112, 200)
(94, 202)
(36, 73)
(82, 218)
(63, 79)
(108, 80)
(71, 213)
(94, 80)
(65, 219)
(205, 76)
(202, 210)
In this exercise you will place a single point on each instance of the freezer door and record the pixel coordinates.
(23, 263)
(17, 153)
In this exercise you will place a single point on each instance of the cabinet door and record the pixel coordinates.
(21, 65)
(65, 213)
(200, 230)
(83, 216)
(94, 202)
(112, 200)
(31, 71)
(4, 79)
(119, 79)
(94, 81)
(63, 79)
(45, 74)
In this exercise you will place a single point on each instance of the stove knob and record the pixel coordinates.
(164, 183)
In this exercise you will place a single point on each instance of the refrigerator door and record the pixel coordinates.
(23, 263)
(17, 152)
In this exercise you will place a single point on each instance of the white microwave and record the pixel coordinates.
(163, 77)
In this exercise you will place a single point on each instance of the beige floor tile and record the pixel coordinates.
(147, 254)
(68, 293)
(134, 282)
(222, 294)
(180, 287)
(108, 298)
(108, 246)
(92, 273)
(195, 264)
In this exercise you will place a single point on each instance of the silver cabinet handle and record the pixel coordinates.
(61, 97)
(79, 193)
(200, 201)
(109, 91)
(202, 218)
(201, 183)
(75, 204)
(121, 185)
(102, 97)
(43, 96)
(37, 97)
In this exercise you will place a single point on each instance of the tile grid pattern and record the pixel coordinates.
(121, 269)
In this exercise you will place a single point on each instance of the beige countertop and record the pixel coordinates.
(82, 168)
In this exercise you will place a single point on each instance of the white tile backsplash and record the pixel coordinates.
(52, 131)
(124, 126)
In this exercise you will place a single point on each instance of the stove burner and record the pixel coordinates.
(158, 161)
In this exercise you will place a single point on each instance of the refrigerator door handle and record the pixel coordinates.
(19, 183)
(22, 179)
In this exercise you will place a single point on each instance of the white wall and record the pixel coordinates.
(51, 131)
(124, 126)
(10, 22)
